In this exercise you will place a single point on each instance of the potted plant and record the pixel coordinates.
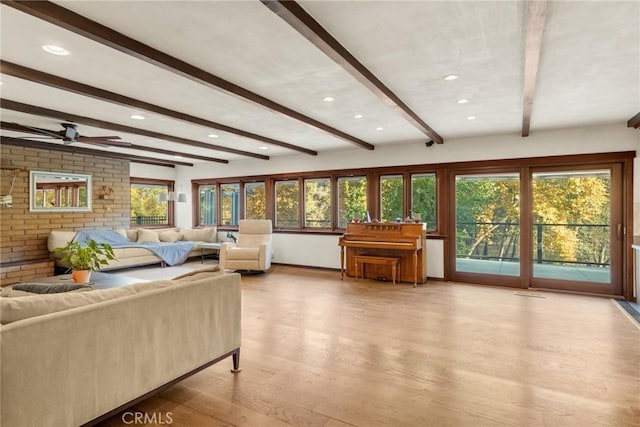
(84, 258)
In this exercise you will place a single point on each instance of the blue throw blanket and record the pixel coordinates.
(171, 253)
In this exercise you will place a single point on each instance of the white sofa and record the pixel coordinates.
(133, 257)
(77, 357)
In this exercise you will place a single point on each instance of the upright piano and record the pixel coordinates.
(405, 241)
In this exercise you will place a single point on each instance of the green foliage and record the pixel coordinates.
(317, 203)
(352, 199)
(423, 198)
(91, 256)
(391, 192)
(144, 201)
(287, 204)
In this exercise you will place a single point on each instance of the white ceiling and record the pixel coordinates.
(589, 69)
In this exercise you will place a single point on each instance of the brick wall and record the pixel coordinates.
(23, 234)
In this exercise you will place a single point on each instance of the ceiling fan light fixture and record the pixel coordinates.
(55, 50)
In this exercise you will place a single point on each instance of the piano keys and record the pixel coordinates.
(405, 241)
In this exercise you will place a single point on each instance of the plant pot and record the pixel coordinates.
(81, 276)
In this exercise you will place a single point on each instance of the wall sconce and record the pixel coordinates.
(106, 193)
(172, 196)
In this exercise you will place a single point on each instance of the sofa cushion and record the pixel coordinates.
(199, 274)
(132, 234)
(169, 236)
(19, 308)
(50, 288)
(208, 234)
(147, 236)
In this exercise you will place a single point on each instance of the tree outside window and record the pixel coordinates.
(317, 203)
(352, 199)
(287, 204)
(230, 204)
(391, 191)
(423, 198)
(146, 209)
(255, 200)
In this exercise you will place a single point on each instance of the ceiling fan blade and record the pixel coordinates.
(29, 129)
(95, 138)
(40, 137)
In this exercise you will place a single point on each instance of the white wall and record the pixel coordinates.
(322, 251)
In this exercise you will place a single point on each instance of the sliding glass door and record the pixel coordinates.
(575, 237)
(555, 228)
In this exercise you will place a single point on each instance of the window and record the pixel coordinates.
(287, 204)
(317, 203)
(352, 199)
(391, 190)
(146, 208)
(229, 204)
(255, 201)
(423, 198)
(207, 204)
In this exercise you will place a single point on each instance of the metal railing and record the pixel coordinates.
(495, 251)
(149, 220)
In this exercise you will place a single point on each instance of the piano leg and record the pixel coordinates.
(415, 271)
(341, 262)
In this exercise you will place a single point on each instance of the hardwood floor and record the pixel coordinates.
(320, 352)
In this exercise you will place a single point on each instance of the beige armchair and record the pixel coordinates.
(253, 249)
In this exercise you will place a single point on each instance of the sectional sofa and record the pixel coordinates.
(133, 257)
(74, 358)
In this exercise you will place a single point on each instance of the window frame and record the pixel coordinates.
(170, 206)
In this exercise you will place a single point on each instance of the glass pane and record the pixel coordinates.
(317, 203)
(391, 198)
(230, 204)
(254, 193)
(352, 199)
(423, 198)
(146, 209)
(207, 200)
(287, 204)
(571, 225)
(487, 224)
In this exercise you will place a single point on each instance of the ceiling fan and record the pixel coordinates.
(68, 135)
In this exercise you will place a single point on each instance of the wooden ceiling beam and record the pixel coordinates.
(294, 15)
(88, 121)
(634, 122)
(58, 15)
(57, 82)
(536, 12)
(89, 151)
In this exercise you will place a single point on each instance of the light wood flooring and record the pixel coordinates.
(320, 352)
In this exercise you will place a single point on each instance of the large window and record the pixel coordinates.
(423, 198)
(287, 204)
(391, 190)
(317, 203)
(207, 205)
(146, 207)
(254, 200)
(352, 199)
(229, 204)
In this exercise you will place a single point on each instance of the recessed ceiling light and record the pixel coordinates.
(55, 50)
(450, 77)
(213, 135)
(358, 116)
(328, 99)
(264, 147)
(177, 157)
(471, 118)
(462, 101)
(137, 117)
(379, 128)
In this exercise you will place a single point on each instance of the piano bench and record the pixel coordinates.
(379, 260)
